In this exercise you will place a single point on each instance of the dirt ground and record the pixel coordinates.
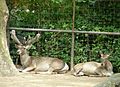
(56, 80)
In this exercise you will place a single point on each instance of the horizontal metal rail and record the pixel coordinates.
(64, 31)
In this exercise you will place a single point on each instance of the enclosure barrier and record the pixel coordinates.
(65, 31)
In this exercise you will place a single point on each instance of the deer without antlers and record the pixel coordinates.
(37, 64)
(94, 68)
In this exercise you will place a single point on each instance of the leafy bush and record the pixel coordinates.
(91, 15)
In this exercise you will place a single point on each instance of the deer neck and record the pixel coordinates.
(25, 60)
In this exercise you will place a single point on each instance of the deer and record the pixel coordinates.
(93, 68)
(38, 64)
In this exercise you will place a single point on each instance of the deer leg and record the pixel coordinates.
(97, 73)
(100, 75)
(49, 71)
(64, 69)
(28, 69)
(78, 72)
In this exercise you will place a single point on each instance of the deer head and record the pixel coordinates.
(106, 63)
(27, 44)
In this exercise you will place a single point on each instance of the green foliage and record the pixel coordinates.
(91, 15)
(57, 1)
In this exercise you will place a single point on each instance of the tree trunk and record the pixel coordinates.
(7, 67)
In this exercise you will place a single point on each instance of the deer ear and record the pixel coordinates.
(18, 46)
(28, 47)
(108, 55)
(102, 55)
(105, 56)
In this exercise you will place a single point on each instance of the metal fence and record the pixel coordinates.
(73, 21)
(87, 45)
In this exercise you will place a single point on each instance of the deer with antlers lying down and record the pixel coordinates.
(37, 64)
(94, 68)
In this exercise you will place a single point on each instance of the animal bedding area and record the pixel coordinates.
(56, 80)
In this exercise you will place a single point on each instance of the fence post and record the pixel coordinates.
(73, 37)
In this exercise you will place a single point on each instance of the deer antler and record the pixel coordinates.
(31, 41)
(13, 36)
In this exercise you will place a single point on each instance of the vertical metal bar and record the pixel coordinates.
(73, 37)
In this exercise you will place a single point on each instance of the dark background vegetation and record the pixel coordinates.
(91, 15)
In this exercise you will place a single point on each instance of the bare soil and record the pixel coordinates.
(56, 80)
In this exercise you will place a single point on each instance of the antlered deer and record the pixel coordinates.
(37, 64)
(94, 68)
